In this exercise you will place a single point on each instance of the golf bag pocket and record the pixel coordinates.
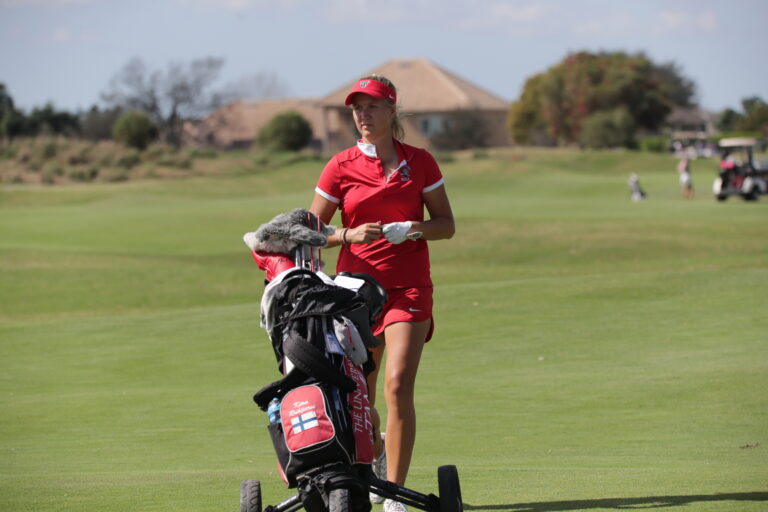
(306, 436)
(350, 340)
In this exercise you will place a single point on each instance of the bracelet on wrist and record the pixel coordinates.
(343, 237)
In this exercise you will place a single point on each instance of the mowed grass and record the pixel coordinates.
(591, 353)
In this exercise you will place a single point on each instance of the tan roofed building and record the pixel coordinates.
(430, 99)
(436, 105)
(237, 124)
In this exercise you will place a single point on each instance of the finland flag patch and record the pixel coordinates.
(304, 422)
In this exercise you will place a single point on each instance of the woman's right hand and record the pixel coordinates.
(364, 233)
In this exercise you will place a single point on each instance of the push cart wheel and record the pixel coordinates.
(338, 500)
(450, 490)
(250, 496)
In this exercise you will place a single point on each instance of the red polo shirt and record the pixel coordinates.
(354, 180)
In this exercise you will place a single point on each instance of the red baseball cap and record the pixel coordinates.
(372, 88)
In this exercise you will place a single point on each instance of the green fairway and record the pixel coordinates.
(591, 353)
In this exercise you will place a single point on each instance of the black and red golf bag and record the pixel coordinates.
(319, 327)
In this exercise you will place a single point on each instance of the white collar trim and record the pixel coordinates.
(367, 149)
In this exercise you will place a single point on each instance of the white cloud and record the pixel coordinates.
(61, 35)
(672, 20)
(681, 21)
(371, 10)
(240, 5)
(707, 21)
(609, 25)
(505, 14)
(24, 3)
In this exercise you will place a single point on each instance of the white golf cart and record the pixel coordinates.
(739, 172)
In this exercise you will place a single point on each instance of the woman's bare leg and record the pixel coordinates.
(404, 344)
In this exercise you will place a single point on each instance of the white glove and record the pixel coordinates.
(396, 232)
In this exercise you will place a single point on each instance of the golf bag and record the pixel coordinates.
(319, 328)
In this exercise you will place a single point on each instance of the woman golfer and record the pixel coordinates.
(382, 187)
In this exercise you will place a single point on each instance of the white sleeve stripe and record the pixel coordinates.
(433, 186)
(328, 196)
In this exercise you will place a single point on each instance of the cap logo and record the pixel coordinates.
(373, 88)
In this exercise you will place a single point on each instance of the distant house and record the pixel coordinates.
(690, 124)
(429, 98)
(237, 124)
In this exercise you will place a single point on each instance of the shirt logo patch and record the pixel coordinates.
(405, 173)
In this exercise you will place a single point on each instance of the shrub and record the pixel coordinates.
(654, 144)
(24, 155)
(748, 134)
(204, 153)
(609, 129)
(48, 176)
(8, 151)
(176, 161)
(135, 130)
(444, 157)
(114, 175)
(56, 169)
(82, 174)
(288, 131)
(50, 149)
(98, 124)
(128, 161)
(78, 155)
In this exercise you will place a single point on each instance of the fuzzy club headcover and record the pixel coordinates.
(289, 230)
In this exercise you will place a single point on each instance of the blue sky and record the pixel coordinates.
(65, 51)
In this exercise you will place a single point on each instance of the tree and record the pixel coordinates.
(728, 120)
(261, 86)
(754, 117)
(6, 102)
(681, 91)
(12, 124)
(525, 121)
(48, 120)
(168, 98)
(288, 131)
(751, 103)
(97, 124)
(757, 120)
(135, 129)
(11, 121)
(559, 101)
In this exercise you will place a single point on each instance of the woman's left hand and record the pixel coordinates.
(364, 233)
